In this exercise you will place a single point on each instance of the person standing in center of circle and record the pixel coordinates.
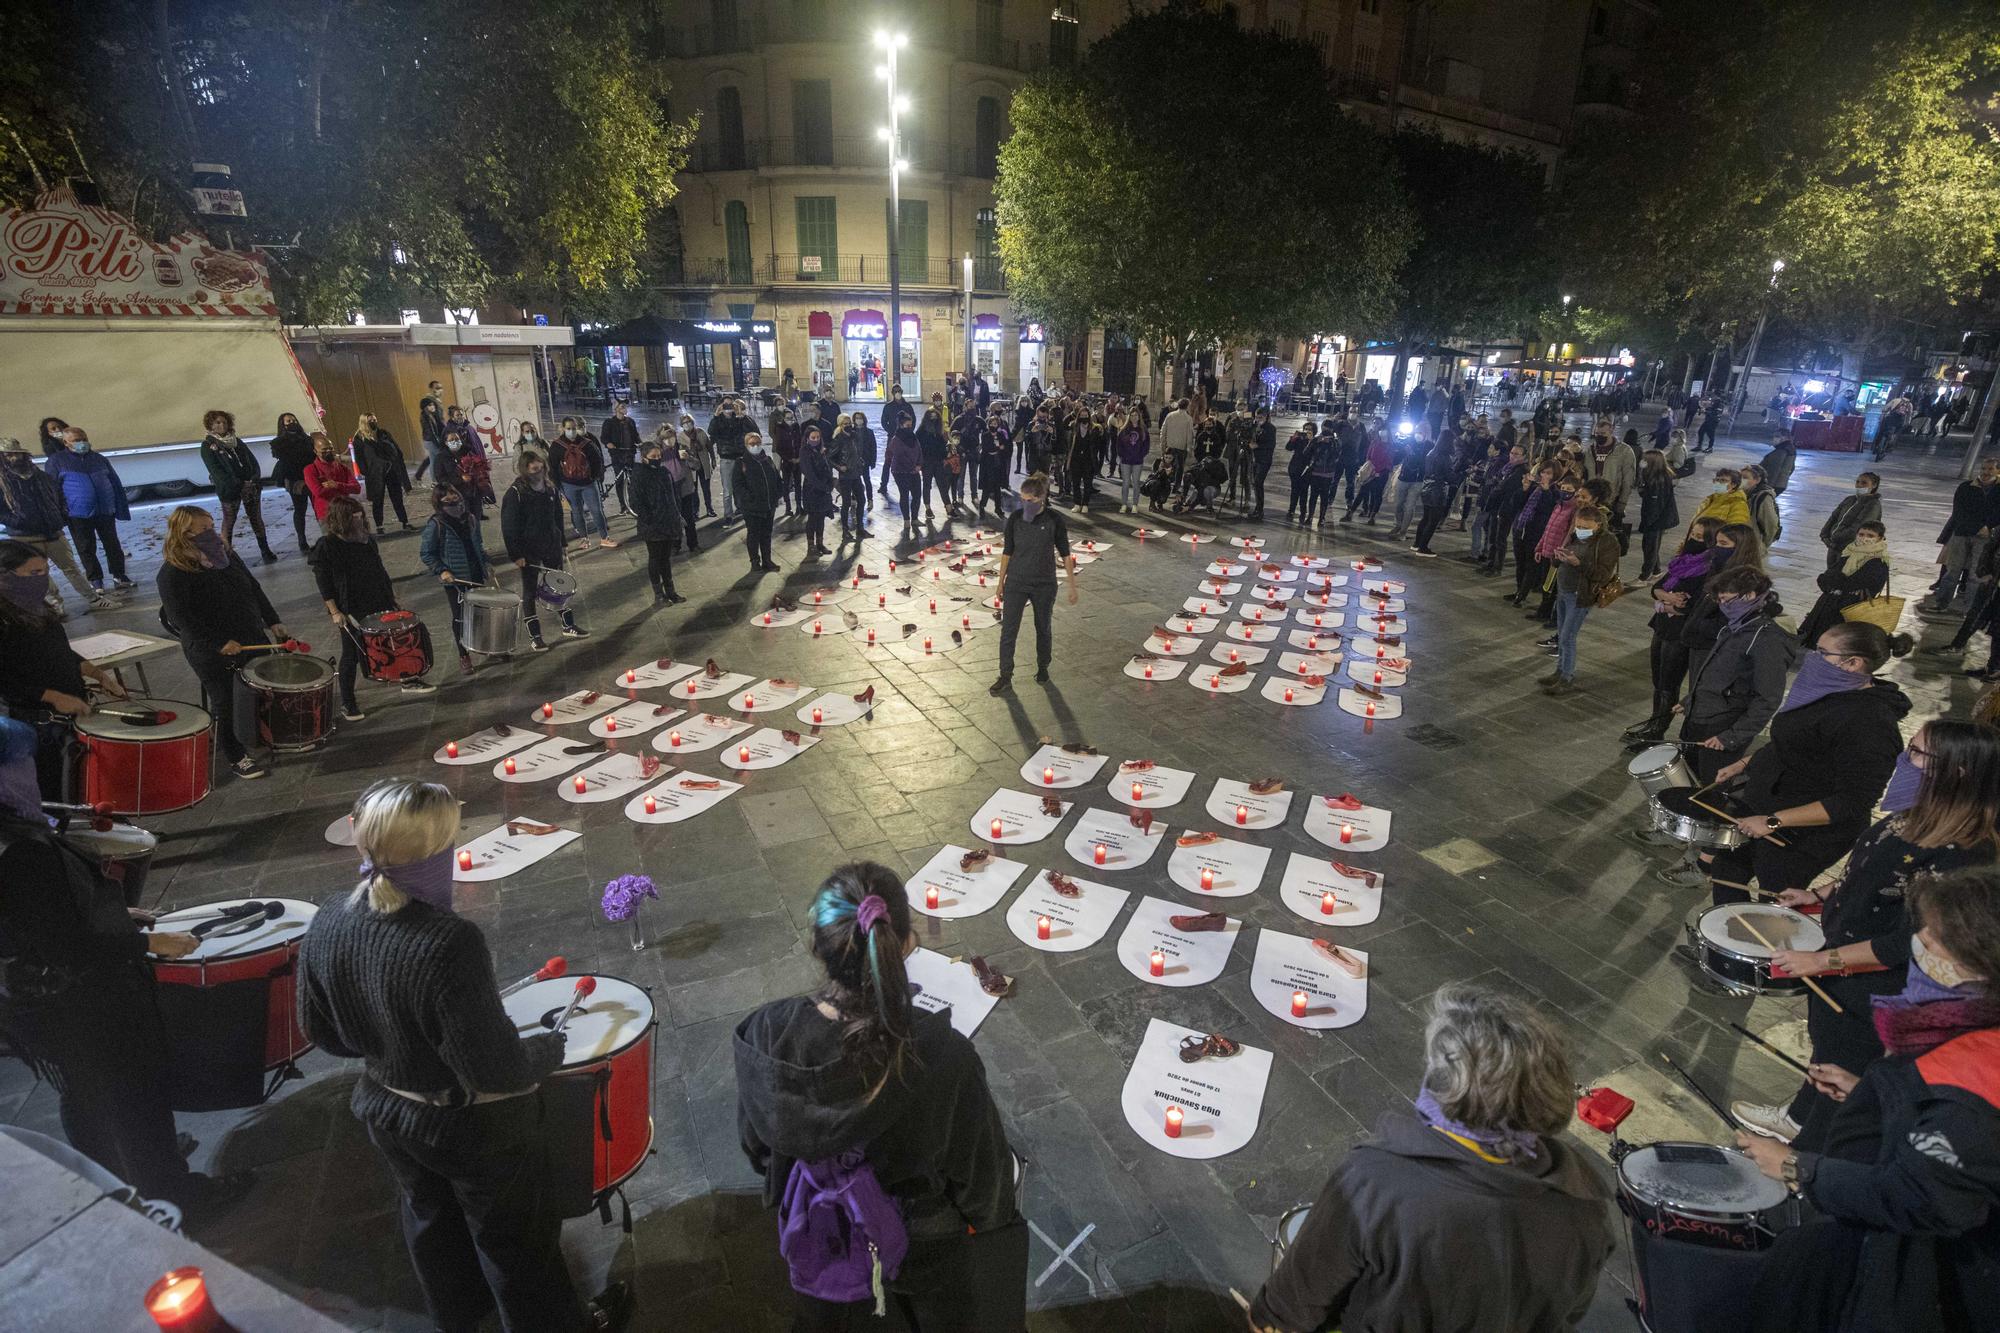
(1031, 542)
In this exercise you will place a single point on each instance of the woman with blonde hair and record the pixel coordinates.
(380, 459)
(390, 975)
(216, 608)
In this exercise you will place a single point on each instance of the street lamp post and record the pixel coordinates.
(1568, 335)
(891, 134)
(1756, 337)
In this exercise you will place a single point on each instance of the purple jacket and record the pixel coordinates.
(903, 457)
(1134, 444)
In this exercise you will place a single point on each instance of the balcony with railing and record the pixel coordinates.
(834, 271)
(847, 153)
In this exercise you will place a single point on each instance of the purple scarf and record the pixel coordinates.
(1928, 1014)
(1684, 567)
(428, 881)
(1904, 784)
(1818, 678)
(1514, 1145)
(1742, 609)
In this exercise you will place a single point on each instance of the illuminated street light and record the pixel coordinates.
(891, 134)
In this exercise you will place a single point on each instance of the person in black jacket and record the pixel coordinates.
(857, 1067)
(621, 442)
(1739, 684)
(42, 679)
(656, 501)
(1905, 1234)
(354, 585)
(727, 430)
(380, 459)
(1863, 573)
(755, 483)
(215, 607)
(1700, 558)
(1975, 515)
(291, 455)
(531, 526)
(1658, 513)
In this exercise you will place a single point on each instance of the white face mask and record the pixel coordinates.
(1585, 534)
(1941, 970)
(1721, 486)
(569, 432)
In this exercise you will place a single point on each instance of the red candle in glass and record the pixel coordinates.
(927, 643)
(965, 621)
(1347, 833)
(1378, 677)
(652, 806)
(581, 786)
(1232, 654)
(881, 599)
(1098, 853)
(767, 620)
(548, 710)
(931, 896)
(1288, 694)
(1048, 777)
(509, 766)
(1298, 1004)
(996, 829)
(1371, 710)
(465, 860)
(1157, 963)
(1242, 814)
(632, 676)
(816, 627)
(1326, 902)
(871, 636)
(674, 739)
(742, 754)
(1215, 682)
(933, 601)
(818, 597)
(1174, 1118)
(749, 701)
(816, 717)
(1041, 927)
(451, 749)
(690, 689)
(1207, 878)
(1149, 671)
(179, 1302)
(611, 724)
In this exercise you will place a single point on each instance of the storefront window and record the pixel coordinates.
(1032, 339)
(865, 334)
(913, 357)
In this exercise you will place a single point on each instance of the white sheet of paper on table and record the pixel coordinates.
(961, 892)
(836, 709)
(1187, 624)
(341, 831)
(1069, 770)
(1302, 695)
(1202, 605)
(1210, 680)
(1267, 811)
(483, 747)
(711, 687)
(1022, 819)
(1308, 879)
(634, 719)
(1225, 569)
(1287, 964)
(1125, 847)
(577, 707)
(498, 854)
(1227, 653)
(1191, 957)
(674, 802)
(1368, 672)
(1277, 575)
(547, 759)
(1159, 786)
(773, 618)
(652, 675)
(943, 984)
(1165, 668)
(610, 778)
(768, 749)
(767, 696)
(1221, 1098)
(1250, 631)
(1387, 708)
(1181, 645)
(1370, 826)
(1074, 923)
(700, 731)
(1273, 594)
(111, 642)
(1238, 867)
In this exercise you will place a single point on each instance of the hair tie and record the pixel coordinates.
(870, 910)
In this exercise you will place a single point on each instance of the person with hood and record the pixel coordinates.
(458, 428)
(1863, 573)
(238, 479)
(450, 548)
(1864, 506)
(353, 585)
(94, 496)
(1779, 463)
(1738, 685)
(216, 609)
(577, 461)
(1471, 1213)
(1659, 512)
(531, 527)
(1674, 595)
(621, 444)
(1763, 502)
(32, 512)
(757, 488)
(1586, 572)
(1728, 502)
(328, 477)
(383, 469)
(856, 1069)
(656, 501)
(291, 455)
(462, 465)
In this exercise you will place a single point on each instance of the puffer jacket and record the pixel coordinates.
(90, 485)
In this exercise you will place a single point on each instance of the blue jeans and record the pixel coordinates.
(584, 503)
(1482, 537)
(1569, 620)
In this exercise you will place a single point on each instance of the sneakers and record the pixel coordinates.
(247, 768)
(537, 645)
(419, 686)
(1549, 642)
(100, 602)
(1773, 1122)
(123, 584)
(1424, 551)
(349, 713)
(572, 632)
(606, 544)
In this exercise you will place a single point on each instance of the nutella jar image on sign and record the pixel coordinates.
(167, 270)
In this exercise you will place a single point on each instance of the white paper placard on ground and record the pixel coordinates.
(1247, 631)
(1162, 668)
(1221, 1099)
(961, 892)
(943, 984)
(1367, 671)
(1261, 614)
(825, 623)
(1211, 680)
(682, 796)
(1319, 599)
(483, 747)
(1367, 827)
(1083, 559)
(1386, 587)
(1074, 923)
(1020, 817)
(698, 732)
(1094, 546)
(1276, 574)
(1250, 543)
(1054, 768)
(634, 719)
(1177, 645)
(1190, 957)
(1202, 605)
(1225, 569)
(341, 831)
(1357, 896)
(1286, 965)
(576, 707)
(1317, 617)
(1304, 561)
(773, 618)
(1293, 693)
(1367, 564)
(834, 709)
(705, 686)
(1187, 624)
(1149, 788)
(930, 646)
(1318, 639)
(1273, 594)
(652, 675)
(1308, 664)
(827, 597)
(1228, 653)
(1385, 709)
(1125, 844)
(1266, 811)
(1381, 607)
(547, 759)
(981, 576)
(768, 696)
(611, 778)
(508, 850)
(765, 747)
(1320, 577)
(1144, 533)
(1235, 868)
(1218, 588)
(1196, 538)
(1391, 629)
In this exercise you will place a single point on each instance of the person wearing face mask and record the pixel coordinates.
(353, 585)
(1034, 544)
(1943, 815)
(1727, 502)
(1903, 1231)
(462, 465)
(383, 470)
(656, 501)
(1966, 537)
(389, 974)
(217, 610)
(1659, 512)
(729, 428)
(530, 438)
(238, 479)
(34, 513)
(531, 525)
(577, 461)
(1555, 533)
(329, 477)
(41, 677)
(431, 423)
(291, 455)
(1735, 689)
(1863, 573)
(1679, 590)
(784, 434)
(1537, 506)
(853, 451)
(697, 451)
(450, 549)
(679, 461)
(903, 462)
(1586, 571)
(1864, 506)
(621, 442)
(817, 486)
(50, 433)
(758, 488)
(95, 498)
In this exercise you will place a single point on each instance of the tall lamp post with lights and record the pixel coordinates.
(1567, 343)
(890, 44)
(1750, 357)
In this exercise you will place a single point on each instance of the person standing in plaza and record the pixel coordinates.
(621, 443)
(353, 585)
(531, 527)
(451, 549)
(698, 452)
(218, 611)
(1034, 545)
(933, 456)
(1658, 511)
(430, 421)
(380, 459)
(32, 513)
(95, 498)
(1176, 438)
(578, 463)
(1130, 447)
(852, 448)
(238, 479)
(291, 455)
(727, 429)
(784, 434)
(1263, 452)
(1967, 532)
(656, 501)
(1586, 571)
(903, 461)
(1864, 506)
(758, 488)
(897, 414)
(328, 477)
(818, 486)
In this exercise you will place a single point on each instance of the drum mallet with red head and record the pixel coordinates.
(548, 971)
(584, 986)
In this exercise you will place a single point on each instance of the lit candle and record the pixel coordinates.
(965, 621)
(1048, 777)
(1099, 852)
(1174, 1118)
(881, 599)
(465, 860)
(1204, 608)
(631, 676)
(690, 689)
(892, 566)
(1215, 682)
(857, 581)
(931, 896)
(674, 739)
(1298, 1004)
(1242, 814)
(816, 717)
(1312, 640)
(1347, 833)
(996, 830)
(1149, 671)
(933, 605)
(871, 636)
(451, 749)
(581, 785)
(1187, 626)
(1232, 654)
(1258, 614)
(1157, 963)
(816, 627)
(1288, 694)
(818, 597)
(509, 766)
(1138, 792)
(927, 643)
(1378, 677)
(1326, 901)
(1380, 652)
(652, 806)
(1371, 712)
(749, 701)
(1207, 878)
(179, 1302)
(548, 710)
(767, 618)
(611, 724)
(742, 754)
(1041, 927)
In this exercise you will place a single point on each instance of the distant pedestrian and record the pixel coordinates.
(656, 502)
(578, 462)
(32, 513)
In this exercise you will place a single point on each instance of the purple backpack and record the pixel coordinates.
(840, 1232)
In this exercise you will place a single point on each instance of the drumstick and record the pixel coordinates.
(1772, 1049)
(246, 915)
(150, 716)
(1811, 985)
(1771, 838)
(548, 971)
(584, 986)
(1746, 888)
(1699, 1091)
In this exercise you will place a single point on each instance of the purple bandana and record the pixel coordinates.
(428, 880)
(1818, 678)
(1516, 1146)
(1904, 784)
(1684, 567)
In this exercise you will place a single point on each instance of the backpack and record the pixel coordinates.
(839, 1231)
(575, 464)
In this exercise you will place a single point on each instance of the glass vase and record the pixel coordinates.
(633, 923)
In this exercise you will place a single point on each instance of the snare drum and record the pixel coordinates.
(395, 646)
(146, 767)
(1677, 816)
(123, 852)
(1731, 954)
(555, 587)
(231, 1006)
(1290, 1224)
(601, 1110)
(1703, 1195)
(1659, 767)
(291, 696)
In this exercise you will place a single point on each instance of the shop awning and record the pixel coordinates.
(657, 330)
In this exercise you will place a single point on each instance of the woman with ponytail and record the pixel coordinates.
(856, 1078)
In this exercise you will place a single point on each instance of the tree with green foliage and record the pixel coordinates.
(1195, 182)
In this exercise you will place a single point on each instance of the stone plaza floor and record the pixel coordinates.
(1509, 864)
